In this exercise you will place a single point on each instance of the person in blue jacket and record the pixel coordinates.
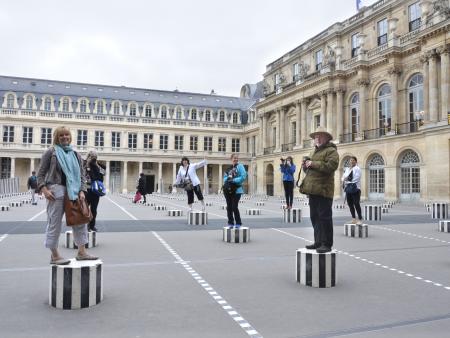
(287, 167)
(233, 179)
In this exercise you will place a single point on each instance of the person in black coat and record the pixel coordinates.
(94, 172)
(141, 186)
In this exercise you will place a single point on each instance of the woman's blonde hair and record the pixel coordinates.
(58, 132)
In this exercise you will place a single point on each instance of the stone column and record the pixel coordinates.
(426, 88)
(433, 88)
(220, 178)
(298, 116)
(277, 139)
(303, 130)
(264, 133)
(174, 176)
(141, 165)
(323, 111)
(330, 126)
(205, 180)
(339, 113)
(32, 164)
(125, 177)
(445, 81)
(13, 167)
(107, 171)
(160, 177)
(394, 72)
(282, 127)
(363, 112)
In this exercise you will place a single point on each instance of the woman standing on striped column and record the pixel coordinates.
(188, 180)
(232, 189)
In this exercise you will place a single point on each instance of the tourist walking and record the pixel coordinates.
(32, 187)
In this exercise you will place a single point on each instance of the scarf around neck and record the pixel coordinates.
(68, 161)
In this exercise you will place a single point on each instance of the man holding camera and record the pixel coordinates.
(318, 183)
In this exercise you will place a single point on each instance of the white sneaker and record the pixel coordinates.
(359, 222)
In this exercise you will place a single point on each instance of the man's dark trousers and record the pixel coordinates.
(321, 214)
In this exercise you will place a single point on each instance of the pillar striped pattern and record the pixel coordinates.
(387, 205)
(4, 208)
(356, 230)
(439, 211)
(314, 269)
(175, 213)
(77, 285)
(339, 206)
(253, 212)
(292, 215)
(224, 207)
(259, 204)
(197, 217)
(70, 244)
(160, 207)
(236, 235)
(444, 226)
(372, 212)
(209, 204)
(15, 204)
(384, 210)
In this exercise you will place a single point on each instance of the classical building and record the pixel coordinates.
(379, 82)
(134, 130)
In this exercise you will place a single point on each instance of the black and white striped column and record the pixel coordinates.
(259, 204)
(70, 244)
(197, 217)
(15, 204)
(175, 213)
(224, 207)
(253, 212)
(314, 269)
(209, 204)
(77, 285)
(439, 211)
(339, 206)
(387, 205)
(372, 212)
(4, 208)
(384, 210)
(444, 226)
(160, 207)
(356, 230)
(292, 215)
(236, 235)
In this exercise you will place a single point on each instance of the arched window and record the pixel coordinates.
(83, 105)
(415, 100)
(133, 109)
(376, 177)
(235, 118)
(164, 112)
(116, 108)
(29, 102)
(179, 113)
(207, 115)
(65, 105)
(354, 115)
(148, 110)
(221, 116)
(384, 109)
(48, 104)
(100, 107)
(10, 101)
(194, 114)
(410, 176)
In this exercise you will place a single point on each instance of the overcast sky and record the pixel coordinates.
(192, 45)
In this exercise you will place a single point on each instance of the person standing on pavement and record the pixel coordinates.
(141, 186)
(94, 172)
(32, 187)
(352, 187)
(287, 168)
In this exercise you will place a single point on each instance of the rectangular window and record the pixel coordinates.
(274, 136)
(115, 140)
(414, 16)
(163, 142)
(148, 111)
(207, 143)
(316, 121)
(295, 72)
(355, 45)
(27, 135)
(65, 105)
(235, 145)
(247, 148)
(132, 109)
(82, 138)
(222, 145)
(83, 106)
(46, 136)
(277, 81)
(254, 146)
(193, 143)
(382, 32)
(319, 59)
(293, 131)
(99, 139)
(8, 134)
(132, 141)
(179, 142)
(148, 141)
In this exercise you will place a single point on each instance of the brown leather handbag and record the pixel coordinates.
(77, 212)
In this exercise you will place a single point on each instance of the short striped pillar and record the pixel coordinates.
(339, 206)
(444, 226)
(15, 204)
(241, 201)
(77, 285)
(372, 212)
(387, 205)
(306, 204)
(314, 269)
(224, 207)
(70, 244)
(150, 204)
(236, 235)
(356, 230)
(439, 211)
(197, 217)
(259, 204)
(175, 213)
(4, 208)
(209, 204)
(160, 207)
(384, 210)
(292, 215)
(253, 212)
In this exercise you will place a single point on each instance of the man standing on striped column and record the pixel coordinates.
(318, 183)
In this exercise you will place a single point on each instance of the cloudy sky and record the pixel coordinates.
(192, 45)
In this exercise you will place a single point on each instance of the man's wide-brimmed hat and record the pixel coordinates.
(321, 130)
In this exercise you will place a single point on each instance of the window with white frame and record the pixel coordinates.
(235, 145)
(29, 102)
(207, 143)
(193, 144)
(415, 97)
(179, 142)
(274, 136)
(235, 118)
(354, 114)
(384, 108)
(148, 111)
(163, 142)
(222, 145)
(148, 141)
(382, 28)
(10, 101)
(83, 106)
(179, 113)
(319, 59)
(46, 136)
(100, 107)
(133, 109)
(5, 167)
(115, 140)
(8, 134)
(207, 115)
(163, 113)
(65, 105)
(82, 138)
(99, 140)
(293, 131)
(277, 81)
(295, 72)
(355, 44)
(132, 141)
(116, 109)
(221, 116)
(316, 121)
(27, 137)
(47, 104)
(194, 114)
(415, 14)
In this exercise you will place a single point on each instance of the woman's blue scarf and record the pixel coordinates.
(71, 167)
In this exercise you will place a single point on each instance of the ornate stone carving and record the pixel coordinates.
(363, 82)
(423, 58)
(395, 70)
(303, 69)
(329, 57)
(266, 87)
(443, 50)
(442, 7)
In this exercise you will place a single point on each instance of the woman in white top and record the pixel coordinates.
(187, 178)
(352, 187)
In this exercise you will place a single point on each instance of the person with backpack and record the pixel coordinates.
(188, 180)
(32, 186)
(287, 168)
(233, 179)
(352, 187)
(94, 178)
